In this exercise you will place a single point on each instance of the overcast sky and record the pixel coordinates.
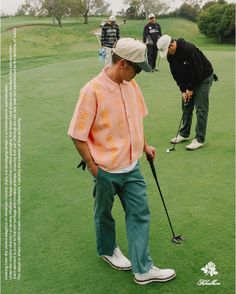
(10, 6)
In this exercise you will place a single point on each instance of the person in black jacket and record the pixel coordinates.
(193, 73)
(110, 35)
(151, 33)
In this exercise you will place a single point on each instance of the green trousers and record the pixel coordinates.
(200, 100)
(131, 189)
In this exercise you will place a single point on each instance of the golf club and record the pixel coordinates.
(175, 239)
(181, 119)
(158, 60)
(98, 36)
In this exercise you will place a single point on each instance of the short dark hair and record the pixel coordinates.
(115, 58)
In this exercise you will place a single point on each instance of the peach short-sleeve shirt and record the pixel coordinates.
(109, 117)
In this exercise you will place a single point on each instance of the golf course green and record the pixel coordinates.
(58, 251)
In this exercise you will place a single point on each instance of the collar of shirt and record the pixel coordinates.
(110, 84)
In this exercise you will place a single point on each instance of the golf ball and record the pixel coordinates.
(167, 150)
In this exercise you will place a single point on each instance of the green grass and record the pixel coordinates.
(58, 240)
(39, 42)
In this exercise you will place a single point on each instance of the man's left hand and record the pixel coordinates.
(150, 151)
(189, 94)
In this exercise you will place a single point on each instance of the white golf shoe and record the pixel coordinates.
(194, 145)
(178, 139)
(118, 260)
(154, 275)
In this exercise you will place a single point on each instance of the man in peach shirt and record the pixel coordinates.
(107, 130)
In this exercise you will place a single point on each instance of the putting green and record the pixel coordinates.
(58, 240)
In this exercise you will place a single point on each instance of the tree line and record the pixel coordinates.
(58, 9)
(218, 20)
(214, 19)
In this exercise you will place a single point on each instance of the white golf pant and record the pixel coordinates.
(108, 60)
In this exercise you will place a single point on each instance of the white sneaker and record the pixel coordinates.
(178, 139)
(154, 275)
(118, 260)
(194, 145)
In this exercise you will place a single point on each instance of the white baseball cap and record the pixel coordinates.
(112, 18)
(133, 50)
(163, 44)
(151, 15)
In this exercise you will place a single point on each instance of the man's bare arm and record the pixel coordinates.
(83, 149)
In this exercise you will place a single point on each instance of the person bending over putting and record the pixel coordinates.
(107, 130)
(193, 73)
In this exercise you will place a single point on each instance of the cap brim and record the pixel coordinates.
(144, 66)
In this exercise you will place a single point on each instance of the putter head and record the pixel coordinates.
(178, 239)
(170, 149)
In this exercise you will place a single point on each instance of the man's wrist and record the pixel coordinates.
(90, 163)
(145, 147)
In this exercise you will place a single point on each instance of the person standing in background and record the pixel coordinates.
(151, 34)
(110, 35)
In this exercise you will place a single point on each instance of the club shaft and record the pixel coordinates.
(162, 198)
(181, 119)
(172, 230)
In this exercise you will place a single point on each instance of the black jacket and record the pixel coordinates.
(151, 33)
(189, 66)
(110, 34)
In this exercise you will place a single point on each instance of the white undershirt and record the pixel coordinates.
(124, 170)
